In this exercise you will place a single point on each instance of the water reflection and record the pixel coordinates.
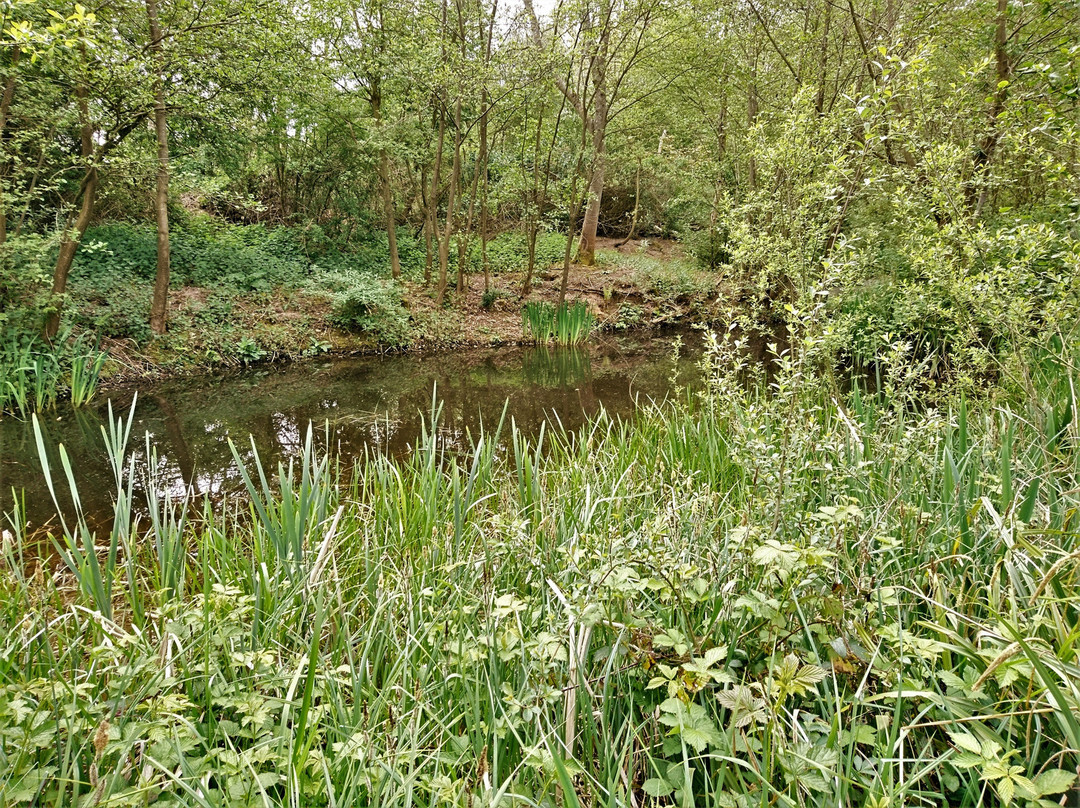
(363, 404)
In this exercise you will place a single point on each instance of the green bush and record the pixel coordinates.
(25, 273)
(251, 258)
(364, 304)
(112, 306)
(709, 245)
(955, 300)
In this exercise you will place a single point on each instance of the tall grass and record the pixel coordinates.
(767, 596)
(566, 324)
(35, 374)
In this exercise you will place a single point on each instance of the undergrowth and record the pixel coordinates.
(771, 593)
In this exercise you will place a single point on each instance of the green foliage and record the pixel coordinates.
(655, 604)
(24, 275)
(509, 252)
(675, 280)
(34, 373)
(709, 245)
(957, 300)
(567, 324)
(366, 304)
(253, 258)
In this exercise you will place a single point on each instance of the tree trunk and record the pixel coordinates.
(5, 105)
(985, 154)
(751, 117)
(575, 210)
(823, 62)
(69, 240)
(587, 245)
(463, 238)
(451, 201)
(482, 158)
(532, 225)
(482, 166)
(69, 244)
(637, 203)
(427, 224)
(388, 210)
(433, 199)
(384, 183)
(160, 302)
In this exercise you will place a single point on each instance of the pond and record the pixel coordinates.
(359, 404)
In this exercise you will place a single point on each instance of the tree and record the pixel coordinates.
(614, 39)
(159, 304)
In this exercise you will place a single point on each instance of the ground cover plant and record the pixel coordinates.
(771, 593)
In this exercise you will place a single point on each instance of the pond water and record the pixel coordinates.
(362, 404)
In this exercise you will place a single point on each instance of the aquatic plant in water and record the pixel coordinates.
(566, 324)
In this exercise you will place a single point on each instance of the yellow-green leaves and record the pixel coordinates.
(791, 678)
(1008, 779)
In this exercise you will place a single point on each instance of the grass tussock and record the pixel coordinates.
(762, 595)
(565, 324)
(35, 374)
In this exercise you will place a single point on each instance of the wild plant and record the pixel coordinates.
(566, 324)
(777, 592)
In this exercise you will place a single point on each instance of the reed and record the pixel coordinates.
(34, 374)
(758, 596)
(566, 324)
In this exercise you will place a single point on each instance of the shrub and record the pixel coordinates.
(251, 258)
(362, 303)
(24, 278)
(709, 245)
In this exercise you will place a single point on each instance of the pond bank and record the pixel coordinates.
(358, 406)
(640, 287)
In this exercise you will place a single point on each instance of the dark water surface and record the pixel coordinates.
(368, 403)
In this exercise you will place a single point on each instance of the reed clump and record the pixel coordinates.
(35, 374)
(565, 324)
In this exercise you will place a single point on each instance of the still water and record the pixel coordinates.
(362, 404)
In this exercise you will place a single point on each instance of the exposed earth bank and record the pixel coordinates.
(636, 285)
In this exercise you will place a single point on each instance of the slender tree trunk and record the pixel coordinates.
(5, 105)
(482, 159)
(427, 224)
(451, 201)
(576, 204)
(433, 200)
(637, 205)
(985, 154)
(533, 221)
(69, 240)
(751, 117)
(463, 237)
(482, 166)
(575, 211)
(160, 303)
(587, 245)
(69, 244)
(388, 210)
(586, 254)
(823, 62)
(384, 183)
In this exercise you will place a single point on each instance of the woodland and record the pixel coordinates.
(842, 574)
